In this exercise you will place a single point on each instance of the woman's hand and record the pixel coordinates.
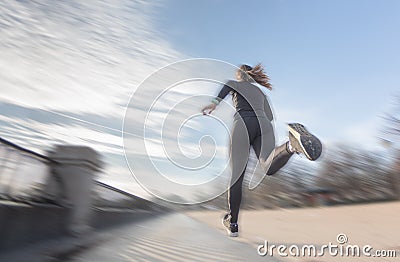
(208, 109)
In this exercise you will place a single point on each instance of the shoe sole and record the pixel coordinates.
(310, 145)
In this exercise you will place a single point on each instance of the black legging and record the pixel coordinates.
(247, 132)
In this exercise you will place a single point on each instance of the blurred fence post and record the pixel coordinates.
(75, 167)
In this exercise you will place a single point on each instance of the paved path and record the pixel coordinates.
(171, 237)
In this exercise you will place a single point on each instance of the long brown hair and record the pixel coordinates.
(248, 73)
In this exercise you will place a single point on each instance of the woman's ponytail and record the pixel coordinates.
(257, 74)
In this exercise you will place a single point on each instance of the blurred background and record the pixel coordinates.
(68, 70)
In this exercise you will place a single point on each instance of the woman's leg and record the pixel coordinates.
(263, 146)
(281, 157)
(301, 141)
(235, 198)
(239, 154)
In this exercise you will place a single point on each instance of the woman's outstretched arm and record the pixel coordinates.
(221, 95)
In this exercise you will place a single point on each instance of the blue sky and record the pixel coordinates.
(335, 60)
(68, 69)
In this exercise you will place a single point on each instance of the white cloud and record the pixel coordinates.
(86, 58)
(78, 56)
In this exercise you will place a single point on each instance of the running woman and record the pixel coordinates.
(252, 127)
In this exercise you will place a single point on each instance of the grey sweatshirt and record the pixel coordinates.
(247, 98)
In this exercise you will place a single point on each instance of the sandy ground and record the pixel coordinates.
(376, 225)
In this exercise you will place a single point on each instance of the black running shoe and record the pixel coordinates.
(232, 228)
(304, 142)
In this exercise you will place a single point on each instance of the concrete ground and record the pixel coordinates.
(171, 237)
(376, 225)
(198, 236)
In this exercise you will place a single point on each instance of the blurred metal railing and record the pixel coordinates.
(23, 173)
(107, 197)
